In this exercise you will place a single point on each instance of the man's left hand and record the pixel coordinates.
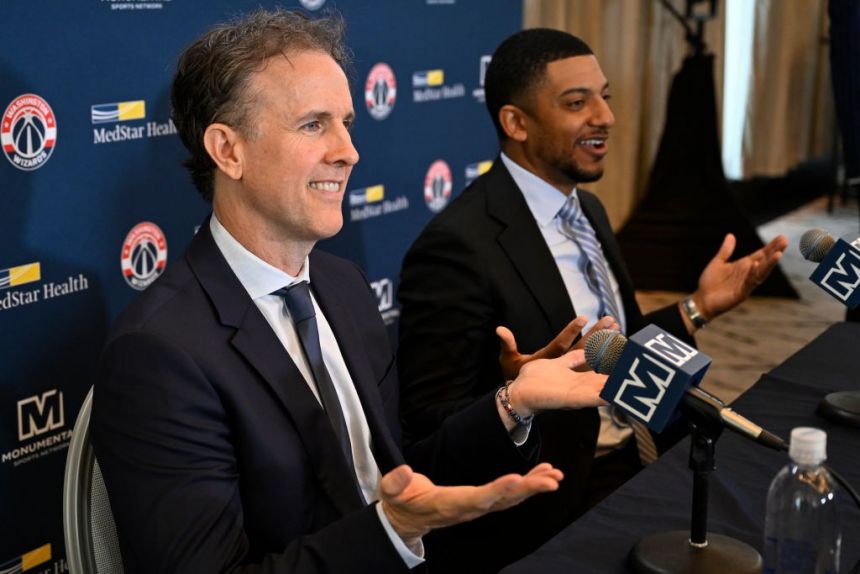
(511, 360)
(723, 284)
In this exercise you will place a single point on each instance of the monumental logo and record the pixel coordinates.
(369, 202)
(28, 132)
(437, 185)
(39, 415)
(144, 255)
(28, 560)
(429, 86)
(478, 93)
(473, 170)
(32, 273)
(121, 112)
(384, 291)
(380, 91)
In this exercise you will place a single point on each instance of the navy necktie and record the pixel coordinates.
(297, 298)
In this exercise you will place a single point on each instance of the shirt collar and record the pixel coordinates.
(543, 199)
(256, 276)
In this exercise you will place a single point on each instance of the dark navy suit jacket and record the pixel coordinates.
(481, 263)
(217, 456)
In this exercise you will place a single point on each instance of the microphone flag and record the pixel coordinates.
(839, 273)
(652, 375)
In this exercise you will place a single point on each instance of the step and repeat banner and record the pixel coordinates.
(96, 203)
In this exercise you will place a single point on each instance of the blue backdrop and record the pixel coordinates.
(96, 203)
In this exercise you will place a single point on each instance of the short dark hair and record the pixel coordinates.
(519, 64)
(213, 74)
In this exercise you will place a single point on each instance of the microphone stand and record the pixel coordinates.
(696, 552)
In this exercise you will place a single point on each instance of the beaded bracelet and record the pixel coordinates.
(502, 395)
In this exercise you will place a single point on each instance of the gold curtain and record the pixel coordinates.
(790, 113)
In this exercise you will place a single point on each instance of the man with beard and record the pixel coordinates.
(525, 250)
(245, 412)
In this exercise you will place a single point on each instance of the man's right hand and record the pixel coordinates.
(415, 506)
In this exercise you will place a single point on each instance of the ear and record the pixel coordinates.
(514, 122)
(224, 145)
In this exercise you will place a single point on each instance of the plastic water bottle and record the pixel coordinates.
(802, 533)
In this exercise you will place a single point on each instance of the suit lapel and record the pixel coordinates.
(331, 298)
(523, 243)
(258, 344)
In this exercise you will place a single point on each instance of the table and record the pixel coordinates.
(659, 498)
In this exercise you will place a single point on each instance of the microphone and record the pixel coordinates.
(653, 375)
(838, 272)
(815, 243)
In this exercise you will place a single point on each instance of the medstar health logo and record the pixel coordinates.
(28, 132)
(380, 91)
(144, 255)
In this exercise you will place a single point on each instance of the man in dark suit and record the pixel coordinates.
(524, 249)
(245, 412)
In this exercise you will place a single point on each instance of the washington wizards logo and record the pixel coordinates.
(437, 185)
(144, 255)
(380, 91)
(28, 132)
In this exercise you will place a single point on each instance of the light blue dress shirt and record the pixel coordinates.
(544, 202)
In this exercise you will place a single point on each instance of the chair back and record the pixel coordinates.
(92, 546)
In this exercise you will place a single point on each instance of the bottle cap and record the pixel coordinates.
(808, 446)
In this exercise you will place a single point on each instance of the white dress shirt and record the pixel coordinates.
(544, 202)
(261, 280)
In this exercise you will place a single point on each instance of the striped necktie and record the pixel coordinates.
(574, 226)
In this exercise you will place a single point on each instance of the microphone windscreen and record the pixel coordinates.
(815, 244)
(603, 349)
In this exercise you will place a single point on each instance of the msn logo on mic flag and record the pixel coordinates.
(651, 376)
(839, 274)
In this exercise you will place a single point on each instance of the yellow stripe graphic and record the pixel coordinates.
(35, 557)
(135, 110)
(375, 193)
(435, 77)
(25, 274)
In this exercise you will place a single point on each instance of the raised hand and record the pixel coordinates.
(725, 284)
(511, 360)
(415, 506)
(552, 384)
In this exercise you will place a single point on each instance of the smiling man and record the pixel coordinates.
(245, 414)
(525, 249)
